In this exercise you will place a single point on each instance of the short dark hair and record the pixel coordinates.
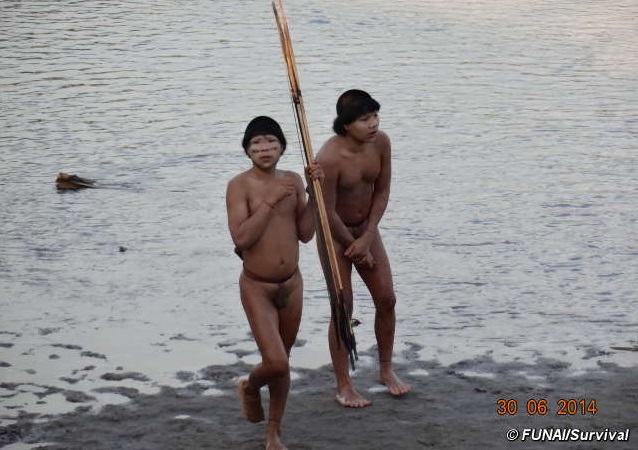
(261, 126)
(351, 105)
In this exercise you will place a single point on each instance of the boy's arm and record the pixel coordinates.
(306, 223)
(381, 193)
(305, 216)
(245, 229)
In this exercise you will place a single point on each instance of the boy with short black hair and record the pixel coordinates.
(267, 217)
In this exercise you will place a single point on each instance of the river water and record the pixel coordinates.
(512, 224)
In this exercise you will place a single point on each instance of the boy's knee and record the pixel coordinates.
(278, 367)
(386, 303)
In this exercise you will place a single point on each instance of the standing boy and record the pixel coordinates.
(267, 216)
(356, 162)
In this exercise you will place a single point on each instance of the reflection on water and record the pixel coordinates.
(512, 223)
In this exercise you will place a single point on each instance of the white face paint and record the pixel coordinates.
(264, 150)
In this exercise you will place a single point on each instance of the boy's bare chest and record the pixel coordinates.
(359, 169)
(260, 192)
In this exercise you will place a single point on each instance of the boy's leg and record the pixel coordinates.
(379, 283)
(263, 318)
(347, 395)
(289, 320)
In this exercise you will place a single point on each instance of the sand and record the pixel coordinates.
(450, 407)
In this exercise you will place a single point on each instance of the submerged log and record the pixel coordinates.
(72, 182)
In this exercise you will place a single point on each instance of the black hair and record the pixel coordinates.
(261, 126)
(351, 105)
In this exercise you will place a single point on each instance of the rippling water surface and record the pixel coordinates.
(512, 223)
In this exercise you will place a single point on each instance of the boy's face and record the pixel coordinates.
(264, 150)
(365, 127)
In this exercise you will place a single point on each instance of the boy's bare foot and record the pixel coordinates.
(348, 397)
(272, 436)
(396, 387)
(250, 401)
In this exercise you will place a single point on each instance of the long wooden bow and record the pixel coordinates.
(340, 316)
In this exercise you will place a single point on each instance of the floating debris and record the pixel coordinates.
(72, 182)
(626, 349)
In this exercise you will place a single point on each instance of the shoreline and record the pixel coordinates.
(450, 407)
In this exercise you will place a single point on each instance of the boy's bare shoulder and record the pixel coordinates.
(383, 142)
(240, 177)
(383, 138)
(294, 175)
(288, 173)
(330, 152)
(238, 180)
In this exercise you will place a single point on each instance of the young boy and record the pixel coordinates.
(267, 216)
(356, 161)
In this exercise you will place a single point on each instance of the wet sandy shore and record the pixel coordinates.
(450, 407)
